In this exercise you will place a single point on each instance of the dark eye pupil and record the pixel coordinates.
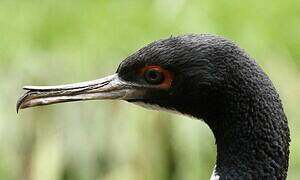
(154, 76)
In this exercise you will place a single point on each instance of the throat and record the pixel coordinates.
(159, 108)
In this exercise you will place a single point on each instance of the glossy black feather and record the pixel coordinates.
(217, 81)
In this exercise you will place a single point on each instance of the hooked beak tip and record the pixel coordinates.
(20, 102)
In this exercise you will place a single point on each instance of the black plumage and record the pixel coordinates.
(213, 79)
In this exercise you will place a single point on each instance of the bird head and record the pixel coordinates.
(186, 74)
(204, 76)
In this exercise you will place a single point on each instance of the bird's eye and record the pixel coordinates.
(154, 76)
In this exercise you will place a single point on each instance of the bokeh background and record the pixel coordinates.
(48, 42)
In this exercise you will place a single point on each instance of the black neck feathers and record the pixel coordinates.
(250, 128)
(217, 81)
(233, 95)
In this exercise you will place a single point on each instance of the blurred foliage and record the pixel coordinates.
(48, 42)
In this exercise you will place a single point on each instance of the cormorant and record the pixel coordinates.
(205, 76)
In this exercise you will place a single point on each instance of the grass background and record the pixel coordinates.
(48, 42)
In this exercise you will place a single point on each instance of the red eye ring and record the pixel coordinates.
(161, 78)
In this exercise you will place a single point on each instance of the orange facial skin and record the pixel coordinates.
(167, 75)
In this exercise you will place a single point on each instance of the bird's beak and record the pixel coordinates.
(110, 87)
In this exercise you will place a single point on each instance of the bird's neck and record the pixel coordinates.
(252, 140)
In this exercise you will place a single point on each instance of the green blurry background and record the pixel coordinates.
(48, 42)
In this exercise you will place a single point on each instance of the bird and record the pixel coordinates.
(207, 77)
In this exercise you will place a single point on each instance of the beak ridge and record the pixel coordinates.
(110, 87)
